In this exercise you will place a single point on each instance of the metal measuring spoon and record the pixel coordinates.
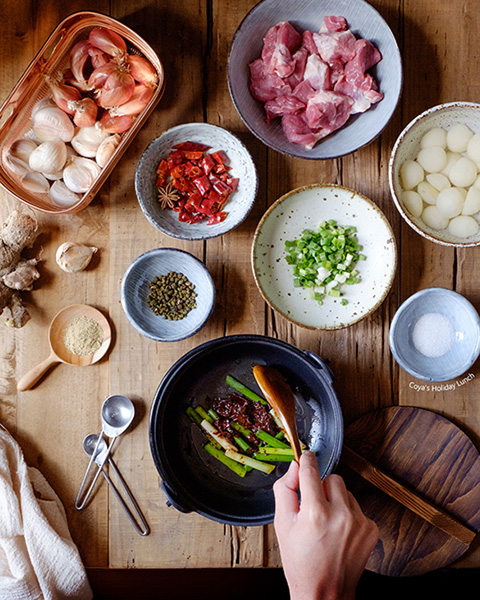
(94, 442)
(59, 353)
(117, 415)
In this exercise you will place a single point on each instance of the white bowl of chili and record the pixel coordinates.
(196, 181)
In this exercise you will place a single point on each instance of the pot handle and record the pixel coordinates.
(172, 500)
(320, 364)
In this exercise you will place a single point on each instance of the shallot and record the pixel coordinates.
(142, 70)
(116, 124)
(142, 94)
(108, 41)
(117, 89)
(63, 95)
(84, 112)
(79, 56)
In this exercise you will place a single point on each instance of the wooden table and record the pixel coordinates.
(439, 45)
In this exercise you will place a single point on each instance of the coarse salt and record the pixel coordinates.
(433, 335)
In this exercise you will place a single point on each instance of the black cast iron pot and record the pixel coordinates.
(192, 480)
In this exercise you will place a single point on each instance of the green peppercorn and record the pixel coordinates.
(171, 296)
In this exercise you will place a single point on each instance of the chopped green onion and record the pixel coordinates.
(220, 455)
(232, 382)
(323, 257)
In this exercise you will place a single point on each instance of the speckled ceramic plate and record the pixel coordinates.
(242, 166)
(135, 289)
(364, 21)
(408, 145)
(306, 208)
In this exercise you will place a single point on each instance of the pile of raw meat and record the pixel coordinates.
(314, 81)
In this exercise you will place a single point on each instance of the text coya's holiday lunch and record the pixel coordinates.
(441, 387)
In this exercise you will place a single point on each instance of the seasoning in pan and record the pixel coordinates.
(172, 296)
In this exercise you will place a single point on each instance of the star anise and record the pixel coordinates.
(168, 196)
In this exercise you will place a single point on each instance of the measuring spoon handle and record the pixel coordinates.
(31, 378)
(80, 504)
(136, 508)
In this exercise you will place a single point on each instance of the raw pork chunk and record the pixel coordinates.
(314, 81)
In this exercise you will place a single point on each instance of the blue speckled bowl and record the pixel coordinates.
(465, 348)
(134, 292)
(238, 205)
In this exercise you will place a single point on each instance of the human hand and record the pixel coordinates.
(325, 541)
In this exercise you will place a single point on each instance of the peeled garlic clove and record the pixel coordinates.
(35, 182)
(80, 173)
(73, 257)
(49, 157)
(88, 139)
(51, 123)
(61, 196)
(18, 166)
(22, 149)
(53, 176)
(107, 148)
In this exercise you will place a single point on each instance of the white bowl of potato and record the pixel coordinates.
(434, 174)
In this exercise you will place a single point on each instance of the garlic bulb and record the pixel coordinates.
(88, 139)
(22, 149)
(73, 257)
(51, 123)
(107, 148)
(49, 157)
(80, 173)
(62, 196)
(35, 182)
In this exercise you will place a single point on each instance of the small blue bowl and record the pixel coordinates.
(461, 351)
(135, 289)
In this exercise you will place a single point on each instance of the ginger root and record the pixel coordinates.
(16, 273)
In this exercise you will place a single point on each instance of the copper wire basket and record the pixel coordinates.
(51, 60)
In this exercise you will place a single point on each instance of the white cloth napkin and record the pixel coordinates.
(38, 559)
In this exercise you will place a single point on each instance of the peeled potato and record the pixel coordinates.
(463, 226)
(413, 202)
(463, 173)
(433, 218)
(450, 202)
(452, 158)
(435, 137)
(433, 159)
(472, 202)
(473, 148)
(458, 137)
(438, 181)
(427, 192)
(411, 173)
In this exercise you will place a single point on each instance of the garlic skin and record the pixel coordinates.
(88, 139)
(80, 173)
(61, 196)
(51, 123)
(72, 257)
(49, 157)
(107, 148)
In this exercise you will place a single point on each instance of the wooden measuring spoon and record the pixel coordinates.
(280, 397)
(59, 353)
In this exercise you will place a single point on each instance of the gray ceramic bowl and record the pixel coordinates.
(135, 289)
(364, 21)
(462, 345)
(407, 146)
(242, 166)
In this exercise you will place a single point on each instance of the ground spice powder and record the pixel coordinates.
(83, 336)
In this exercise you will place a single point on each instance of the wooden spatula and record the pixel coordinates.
(280, 397)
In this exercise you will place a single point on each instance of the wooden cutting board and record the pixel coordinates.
(431, 455)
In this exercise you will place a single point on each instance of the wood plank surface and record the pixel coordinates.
(438, 43)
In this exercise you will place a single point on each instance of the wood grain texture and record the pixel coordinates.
(192, 38)
(431, 456)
